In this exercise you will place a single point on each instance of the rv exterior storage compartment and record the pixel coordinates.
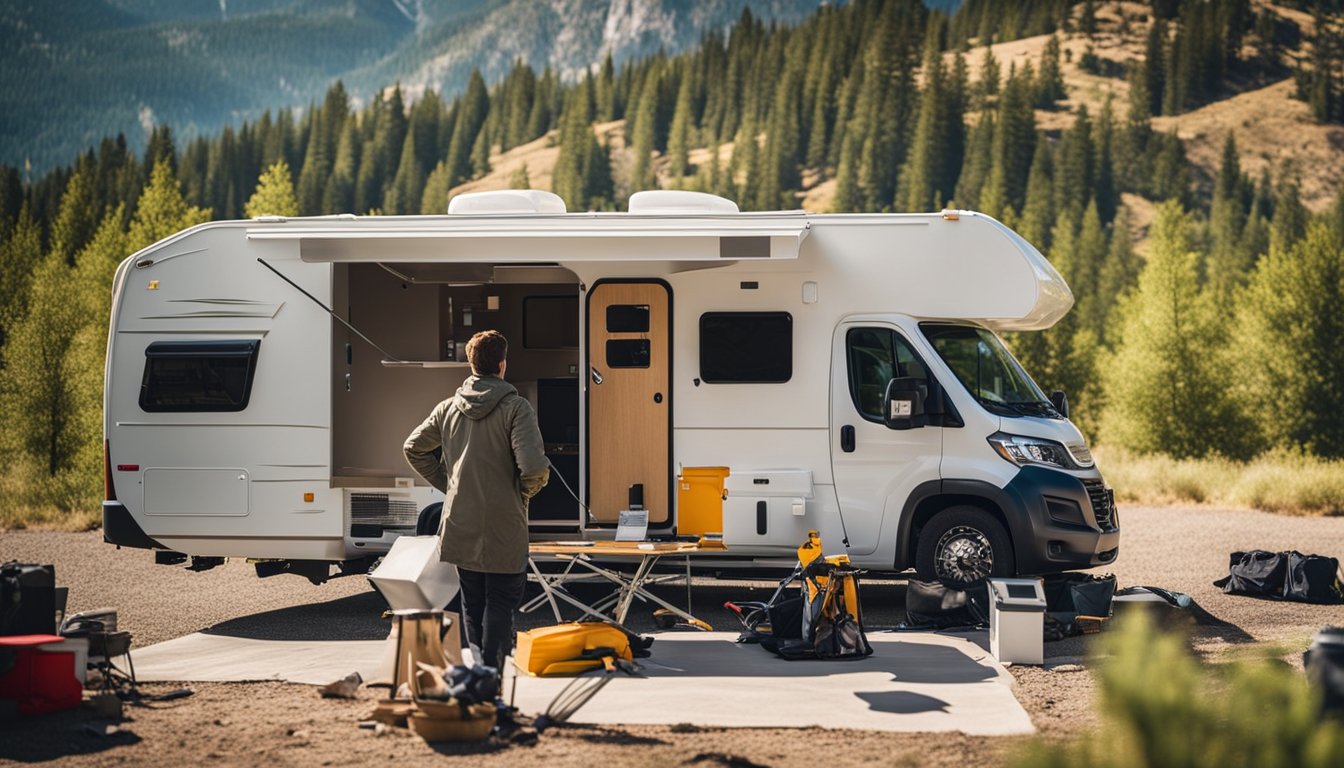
(768, 506)
(700, 500)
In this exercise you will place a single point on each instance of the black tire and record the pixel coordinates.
(962, 546)
(428, 522)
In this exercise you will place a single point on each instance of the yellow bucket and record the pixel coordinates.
(700, 498)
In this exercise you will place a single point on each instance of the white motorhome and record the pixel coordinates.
(845, 368)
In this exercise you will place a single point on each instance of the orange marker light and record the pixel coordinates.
(308, 497)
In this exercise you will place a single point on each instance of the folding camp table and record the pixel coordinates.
(585, 556)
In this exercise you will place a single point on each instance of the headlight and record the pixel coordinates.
(1022, 450)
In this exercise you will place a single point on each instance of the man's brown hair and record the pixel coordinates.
(486, 351)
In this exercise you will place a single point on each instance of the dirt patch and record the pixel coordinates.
(246, 723)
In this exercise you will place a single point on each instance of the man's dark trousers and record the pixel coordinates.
(488, 603)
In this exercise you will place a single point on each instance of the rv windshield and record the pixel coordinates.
(988, 370)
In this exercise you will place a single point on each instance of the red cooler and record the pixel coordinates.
(38, 681)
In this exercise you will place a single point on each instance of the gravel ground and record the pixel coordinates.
(1179, 548)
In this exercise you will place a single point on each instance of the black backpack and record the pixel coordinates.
(1287, 575)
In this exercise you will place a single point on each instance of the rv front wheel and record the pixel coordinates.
(963, 545)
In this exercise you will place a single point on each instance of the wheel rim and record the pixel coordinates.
(964, 555)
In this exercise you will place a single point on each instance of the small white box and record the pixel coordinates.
(412, 576)
(1017, 620)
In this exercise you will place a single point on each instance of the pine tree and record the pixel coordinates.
(1049, 81)
(598, 185)
(519, 179)
(988, 85)
(848, 197)
(567, 175)
(1117, 277)
(781, 157)
(1038, 212)
(77, 218)
(1292, 303)
(645, 135)
(1090, 257)
(975, 168)
(679, 136)
(1290, 217)
(20, 253)
(1229, 261)
(435, 198)
(606, 90)
(338, 192)
(1104, 185)
(920, 176)
(1075, 169)
(274, 195)
(1153, 74)
(162, 211)
(408, 185)
(1164, 387)
(472, 110)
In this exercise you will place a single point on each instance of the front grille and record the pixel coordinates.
(1103, 503)
(382, 510)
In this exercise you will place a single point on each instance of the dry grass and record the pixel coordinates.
(48, 518)
(1282, 482)
(33, 500)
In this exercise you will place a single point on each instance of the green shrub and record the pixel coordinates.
(1161, 707)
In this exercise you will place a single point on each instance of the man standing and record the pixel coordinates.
(493, 463)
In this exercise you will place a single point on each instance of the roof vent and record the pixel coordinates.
(680, 202)
(507, 201)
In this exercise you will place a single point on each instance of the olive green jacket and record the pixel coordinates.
(493, 463)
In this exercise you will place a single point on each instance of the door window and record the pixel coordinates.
(875, 357)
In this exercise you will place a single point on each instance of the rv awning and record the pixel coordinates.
(551, 239)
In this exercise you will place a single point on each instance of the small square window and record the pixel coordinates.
(628, 318)
(628, 353)
(746, 347)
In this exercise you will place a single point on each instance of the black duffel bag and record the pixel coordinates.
(1288, 575)
(27, 599)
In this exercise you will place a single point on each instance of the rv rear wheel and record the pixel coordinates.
(428, 522)
(962, 546)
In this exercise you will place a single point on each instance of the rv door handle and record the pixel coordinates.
(847, 439)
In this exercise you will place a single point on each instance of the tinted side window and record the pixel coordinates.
(875, 357)
(198, 375)
(746, 347)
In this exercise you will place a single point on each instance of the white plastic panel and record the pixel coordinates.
(209, 492)
(770, 482)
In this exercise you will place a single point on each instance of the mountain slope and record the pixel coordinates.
(76, 71)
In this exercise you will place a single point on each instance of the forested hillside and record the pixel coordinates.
(1206, 320)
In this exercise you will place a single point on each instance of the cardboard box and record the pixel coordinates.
(411, 575)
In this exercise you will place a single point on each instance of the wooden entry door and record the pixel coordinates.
(629, 398)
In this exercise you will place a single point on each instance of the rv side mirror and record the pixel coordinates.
(1061, 402)
(903, 405)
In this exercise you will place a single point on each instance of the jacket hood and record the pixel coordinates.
(479, 395)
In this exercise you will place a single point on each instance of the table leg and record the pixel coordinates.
(546, 588)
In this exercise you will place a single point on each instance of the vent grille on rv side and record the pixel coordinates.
(382, 510)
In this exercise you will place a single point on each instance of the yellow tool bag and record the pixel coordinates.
(572, 649)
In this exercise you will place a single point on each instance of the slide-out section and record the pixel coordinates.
(422, 316)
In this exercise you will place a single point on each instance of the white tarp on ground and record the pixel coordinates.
(912, 682)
